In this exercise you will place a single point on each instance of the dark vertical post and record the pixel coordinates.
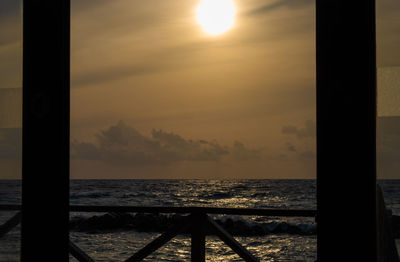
(198, 237)
(45, 157)
(346, 121)
(387, 250)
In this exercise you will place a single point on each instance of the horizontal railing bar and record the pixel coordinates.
(187, 210)
(10, 207)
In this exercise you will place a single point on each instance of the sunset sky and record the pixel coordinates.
(154, 95)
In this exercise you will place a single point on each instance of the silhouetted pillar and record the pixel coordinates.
(346, 120)
(45, 157)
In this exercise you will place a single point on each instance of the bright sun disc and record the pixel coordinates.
(216, 16)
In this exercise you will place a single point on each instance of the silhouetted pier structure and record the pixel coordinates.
(346, 129)
(197, 221)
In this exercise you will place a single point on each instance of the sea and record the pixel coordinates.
(284, 239)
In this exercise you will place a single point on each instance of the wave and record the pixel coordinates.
(219, 195)
(90, 195)
(159, 222)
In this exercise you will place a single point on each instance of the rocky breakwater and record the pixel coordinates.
(160, 222)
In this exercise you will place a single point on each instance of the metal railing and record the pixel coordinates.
(197, 222)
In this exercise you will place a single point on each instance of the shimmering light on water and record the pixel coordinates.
(119, 245)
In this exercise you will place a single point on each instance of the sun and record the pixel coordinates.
(216, 16)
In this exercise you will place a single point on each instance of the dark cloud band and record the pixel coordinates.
(122, 144)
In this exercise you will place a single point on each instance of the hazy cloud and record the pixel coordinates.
(122, 144)
(300, 154)
(281, 3)
(241, 153)
(114, 72)
(307, 155)
(302, 149)
(309, 131)
(290, 147)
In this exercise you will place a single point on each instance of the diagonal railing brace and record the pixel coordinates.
(78, 253)
(10, 224)
(230, 241)
(161, 240)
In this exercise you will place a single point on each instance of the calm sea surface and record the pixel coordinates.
(119, 245)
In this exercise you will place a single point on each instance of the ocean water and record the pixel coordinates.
(117, 245)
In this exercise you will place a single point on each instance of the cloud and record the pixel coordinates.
(122, 144)
(309, 131)
(307, 155)
(292, 4)
(142, 40)
(387, 145)
(300, 155)
(290, 147)
(10, 143)
(241, 153)
(303, 149)
(117, 39)
(112, 73)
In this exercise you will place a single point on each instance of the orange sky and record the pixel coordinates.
(153, 67)
(236, 105)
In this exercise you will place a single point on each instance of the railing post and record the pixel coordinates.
(198, 237)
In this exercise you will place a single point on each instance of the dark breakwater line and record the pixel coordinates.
(159, 222)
